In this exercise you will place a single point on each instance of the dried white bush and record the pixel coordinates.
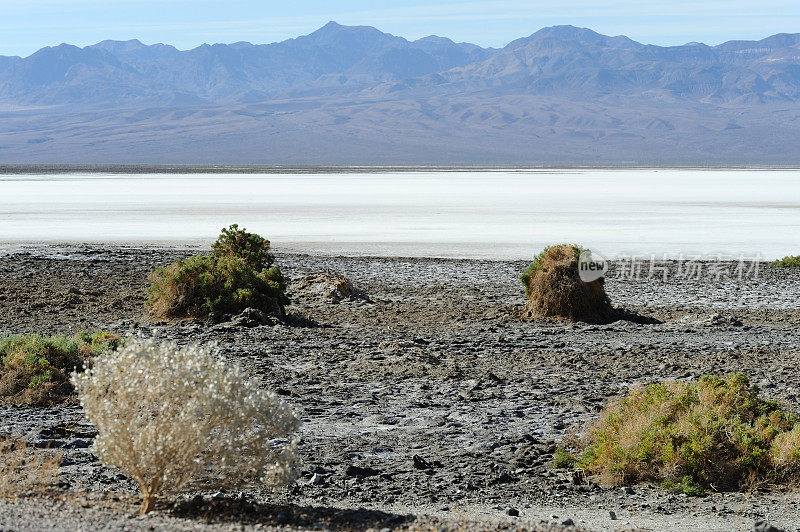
(176, 419)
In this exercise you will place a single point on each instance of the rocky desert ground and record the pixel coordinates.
(426, 402)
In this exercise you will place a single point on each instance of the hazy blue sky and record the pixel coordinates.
(26, 25)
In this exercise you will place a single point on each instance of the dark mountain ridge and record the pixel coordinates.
(353, 94)
(336, 58)
(331, 57)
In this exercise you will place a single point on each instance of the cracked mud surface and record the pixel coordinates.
(429, 397)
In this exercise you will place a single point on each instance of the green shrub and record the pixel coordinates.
(564, 460)
(687, 485)
(787, 262)
(35, 369)
(251, 248)
(239, 273)
(710, 433)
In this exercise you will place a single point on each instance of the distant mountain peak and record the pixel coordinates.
(61, 48)
(336, 35)
(119, 46)
(334, 28)
(130, 42)
(434, 39)
(134, 48)
(567, 32)
(780, 40)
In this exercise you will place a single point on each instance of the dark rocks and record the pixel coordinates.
(251, 317)
(77, 444)
(71, 298)
(421, 463)
(764, 526)
(579, 477)
(504, 478)
(361, 472)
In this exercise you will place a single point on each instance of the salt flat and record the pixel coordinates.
(501, 214)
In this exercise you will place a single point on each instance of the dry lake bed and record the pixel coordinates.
(426, 403)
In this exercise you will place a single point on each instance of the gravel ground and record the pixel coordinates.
(426, 402)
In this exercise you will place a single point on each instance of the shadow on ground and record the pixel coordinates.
(224, 509)
(621, 314)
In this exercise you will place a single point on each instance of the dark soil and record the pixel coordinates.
(428, 396)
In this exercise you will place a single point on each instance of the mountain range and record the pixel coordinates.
(356, 95)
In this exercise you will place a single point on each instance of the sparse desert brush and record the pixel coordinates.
(176, 419)
(555, 290)
(25, 471)
(35, 369)
(238, 274)
(787, 262)
(710, 433)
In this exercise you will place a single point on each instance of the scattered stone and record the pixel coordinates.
(361, 472)
(421, 463)
(504, 478)
(764, 526)
(513, 512)
(71, 298)
(251, 317)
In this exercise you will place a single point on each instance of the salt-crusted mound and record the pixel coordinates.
(326, 286)
(555, 289)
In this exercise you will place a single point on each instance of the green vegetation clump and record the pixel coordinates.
(787, 262)
(564, 460)
(711, 433)
(555, 290)
(238, 274)
(687, 485)
(35, 369)
(539, 262)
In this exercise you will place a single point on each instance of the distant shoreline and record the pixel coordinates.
(55, 169)
(374, 251)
